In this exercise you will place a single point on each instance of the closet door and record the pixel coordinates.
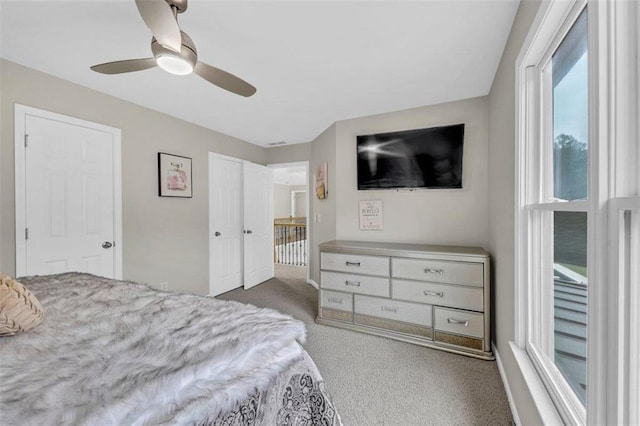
(258, 224)
(225, 225)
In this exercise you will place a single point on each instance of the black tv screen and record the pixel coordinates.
(423, 158)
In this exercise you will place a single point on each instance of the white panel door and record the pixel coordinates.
(258, 224)
(69, 198)
(225, 227)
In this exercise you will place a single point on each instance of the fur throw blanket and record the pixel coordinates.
(115, 352)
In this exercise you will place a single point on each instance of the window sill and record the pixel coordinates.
(547, 411)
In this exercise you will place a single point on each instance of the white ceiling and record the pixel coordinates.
(313, 63)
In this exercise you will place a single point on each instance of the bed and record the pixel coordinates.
(119, 352)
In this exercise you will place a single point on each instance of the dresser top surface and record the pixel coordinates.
(391, 249)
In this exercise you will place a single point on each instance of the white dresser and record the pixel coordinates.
(436, 296)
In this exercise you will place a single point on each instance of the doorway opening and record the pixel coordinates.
(290, 223)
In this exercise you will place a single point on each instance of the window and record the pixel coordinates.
(578, 204)
(559, 212)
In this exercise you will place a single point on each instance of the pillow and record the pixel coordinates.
(19, 308)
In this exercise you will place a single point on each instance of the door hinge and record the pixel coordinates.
(26, 233)
(26, 140)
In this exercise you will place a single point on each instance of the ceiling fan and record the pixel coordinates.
(173, 50)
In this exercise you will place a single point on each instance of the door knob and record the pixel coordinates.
(249, 231)
(107, 245)
(217, 234)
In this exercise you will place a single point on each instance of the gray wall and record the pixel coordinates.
(502, 208)
(156, 246)
(281, 200)
(456, 217)
(323, 149)
(300, 202)
(288, 153)
(427, 216)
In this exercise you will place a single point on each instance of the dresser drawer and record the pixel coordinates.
(414, 313)
(352, 283)
(464, 273)
(336, 300)
(454, 296)
(370, 265)
(336, 306)
(459, 322)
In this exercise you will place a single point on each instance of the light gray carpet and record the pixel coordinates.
(379, 381)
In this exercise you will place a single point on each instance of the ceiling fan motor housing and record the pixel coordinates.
(188, 52)
(180, 5)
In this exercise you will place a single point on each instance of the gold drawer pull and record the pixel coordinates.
(434, 293)
(455, 321)
(389, 309)
(352, 263)
(434, 271)
(335, 300)
(353, 283)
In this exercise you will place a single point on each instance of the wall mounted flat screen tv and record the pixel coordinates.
(411, 159)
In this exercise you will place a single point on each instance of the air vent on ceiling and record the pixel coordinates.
(276, 143)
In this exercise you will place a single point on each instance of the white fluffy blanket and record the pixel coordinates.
(113, 352)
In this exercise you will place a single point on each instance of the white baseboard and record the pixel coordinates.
(313, 283)
(507, 388)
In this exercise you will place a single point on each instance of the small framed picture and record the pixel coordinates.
(322, 189)
(174, 176)
(370, 213)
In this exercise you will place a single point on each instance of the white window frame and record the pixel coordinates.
(613, 370)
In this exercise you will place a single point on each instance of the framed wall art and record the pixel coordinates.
(174, 176)
(370, 213)
(321, 181)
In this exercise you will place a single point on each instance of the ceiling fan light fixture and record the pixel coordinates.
(178, 63)
(179, 59)
(174, 64)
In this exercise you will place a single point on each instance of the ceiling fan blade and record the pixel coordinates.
(129, 65)
(224, 80)
(159, 17)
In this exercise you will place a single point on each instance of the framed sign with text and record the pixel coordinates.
(370, 213)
